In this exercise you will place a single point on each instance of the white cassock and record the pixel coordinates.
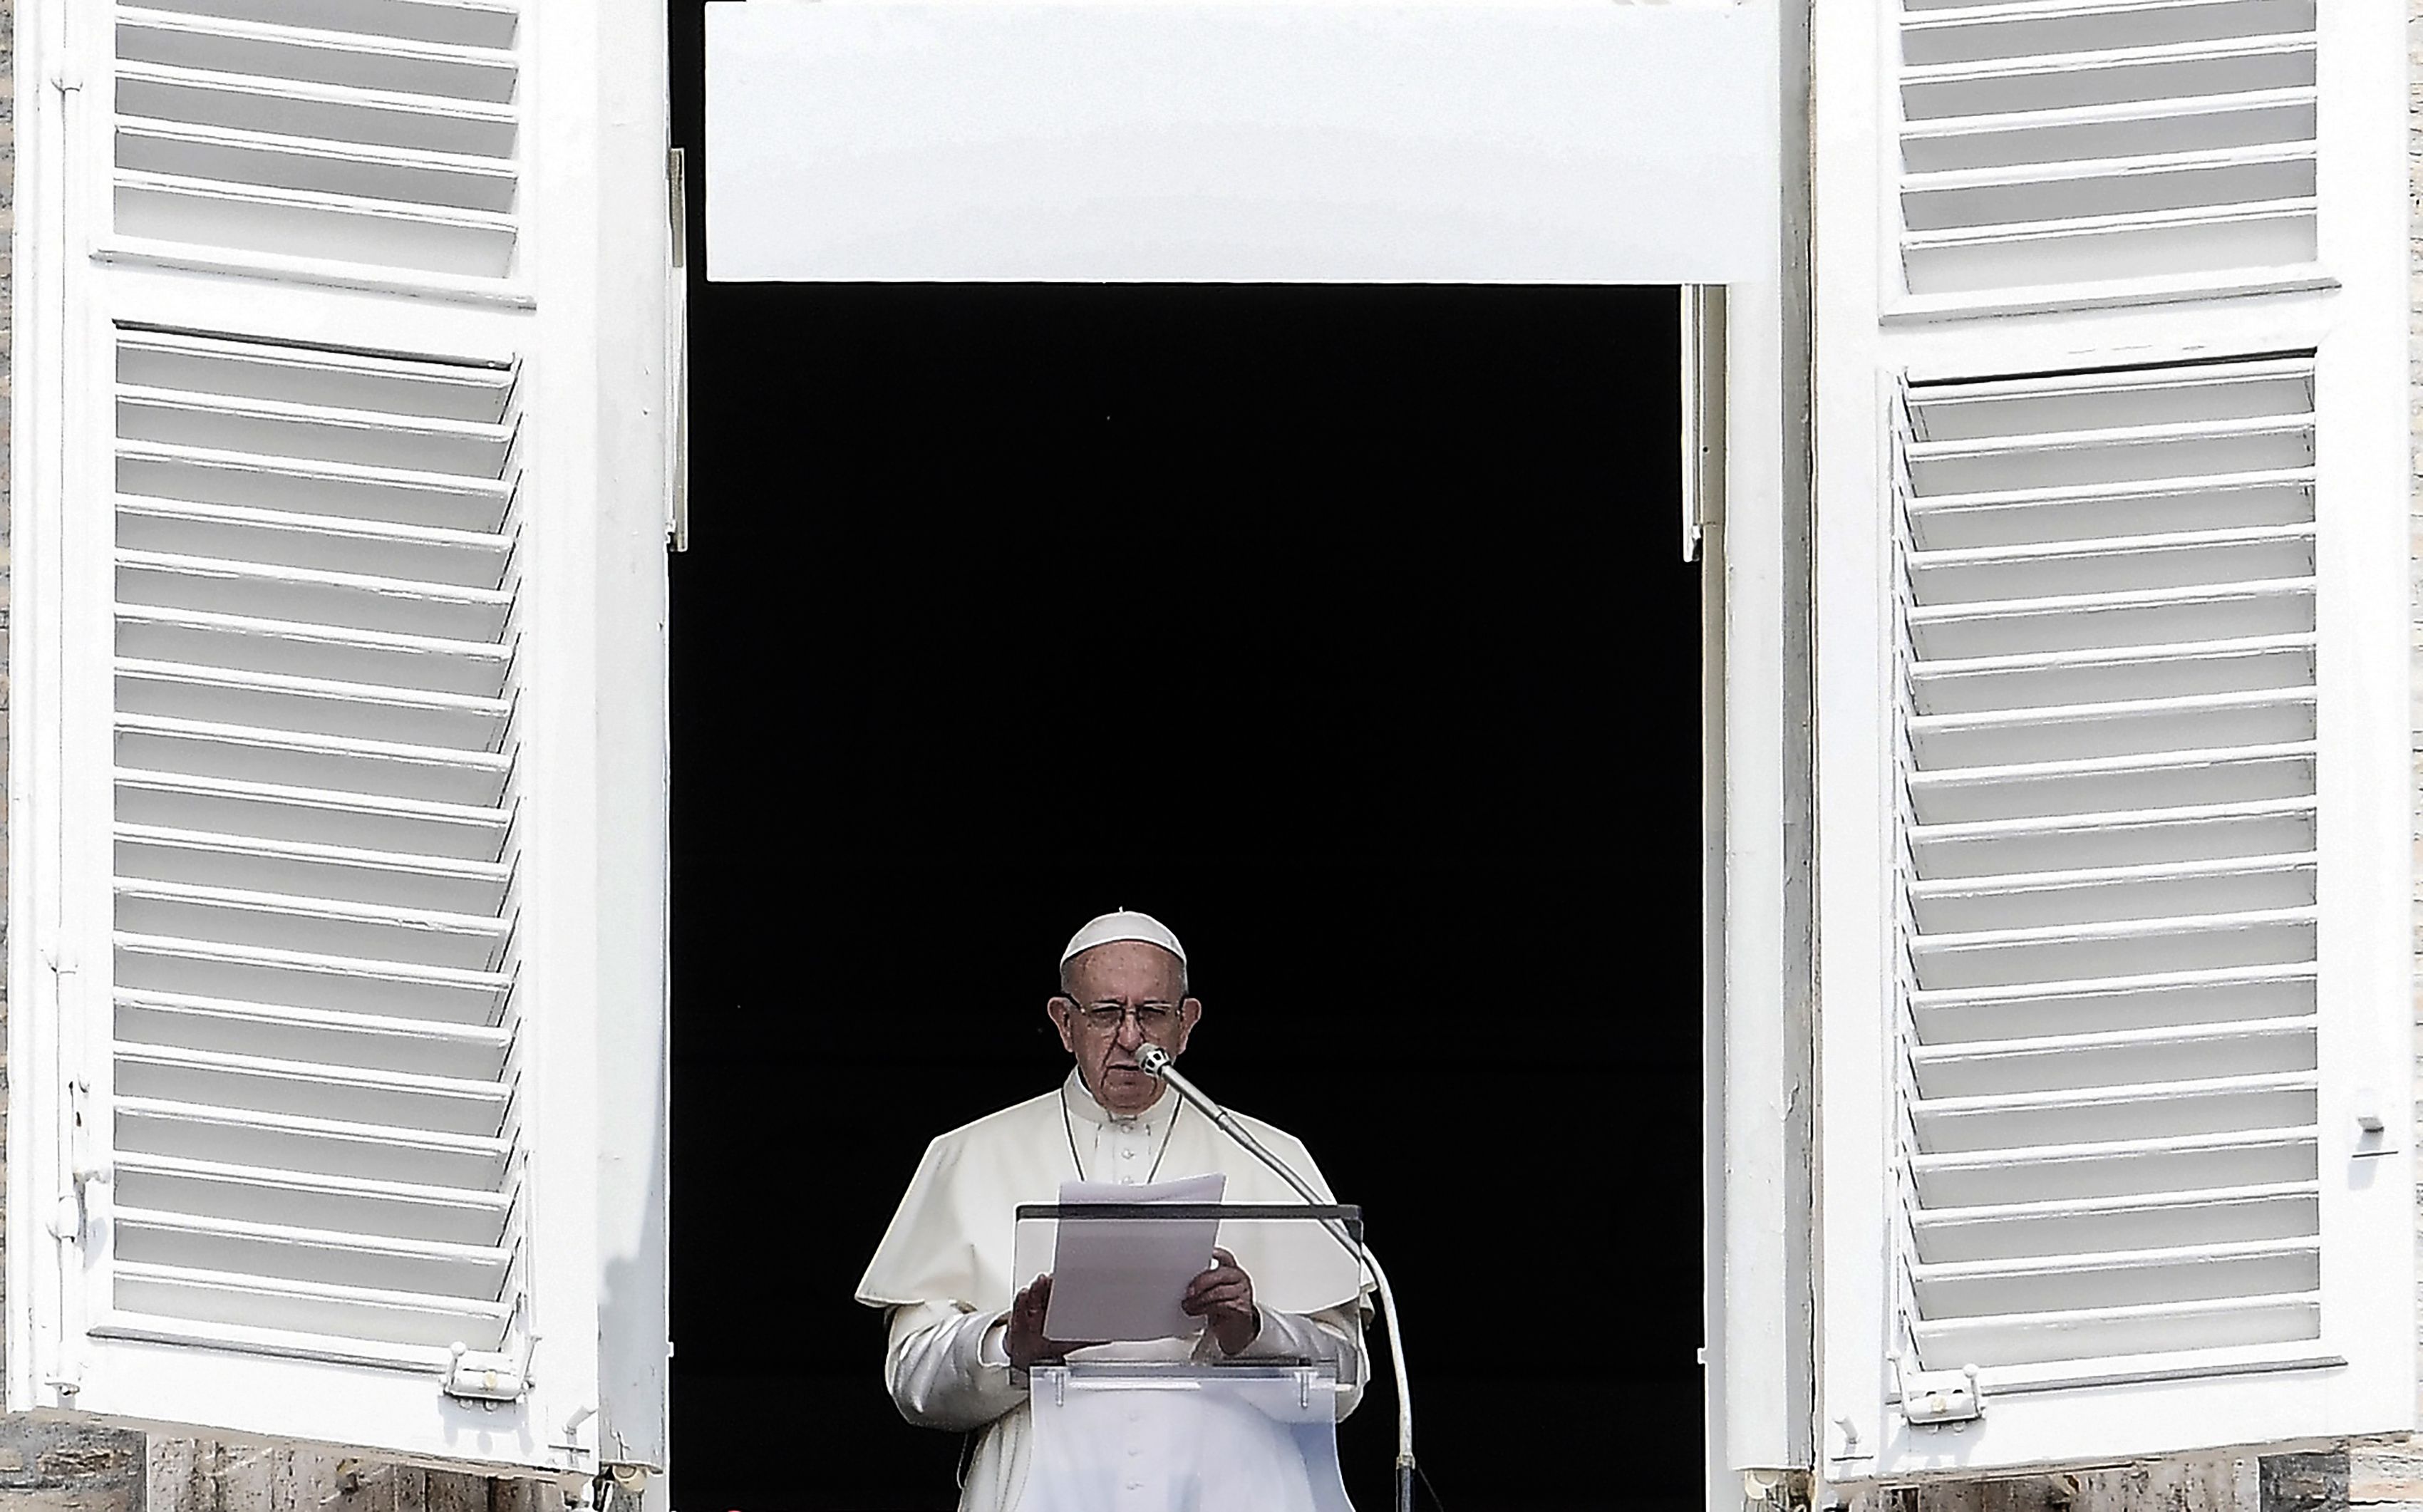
(944, 1270)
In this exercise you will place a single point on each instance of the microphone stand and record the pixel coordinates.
(1159, 1062)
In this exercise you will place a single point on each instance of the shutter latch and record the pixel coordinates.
(1934, 1397)
(483, 1377)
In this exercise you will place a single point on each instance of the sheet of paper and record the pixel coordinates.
(1118, 1279)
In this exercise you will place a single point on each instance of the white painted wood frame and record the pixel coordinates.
(1522, 142)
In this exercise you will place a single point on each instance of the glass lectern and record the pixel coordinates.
(1171, 1424)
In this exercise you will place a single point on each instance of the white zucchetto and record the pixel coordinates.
(1123, 924)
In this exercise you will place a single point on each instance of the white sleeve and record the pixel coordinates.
(1333, 1336)
(938, 1372)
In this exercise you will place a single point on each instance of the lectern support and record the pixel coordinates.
(1172, 1425)
(1177, 1438)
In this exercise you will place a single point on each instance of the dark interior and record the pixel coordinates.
(1343, 628)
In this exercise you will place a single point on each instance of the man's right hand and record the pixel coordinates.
(1026, 1343)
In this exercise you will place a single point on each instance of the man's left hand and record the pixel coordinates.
(1224, 1298)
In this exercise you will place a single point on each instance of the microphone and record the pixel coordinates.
(1160, 1063)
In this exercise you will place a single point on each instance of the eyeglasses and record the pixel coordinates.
(1152, 1018)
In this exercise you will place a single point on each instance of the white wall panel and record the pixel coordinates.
(1525, 143)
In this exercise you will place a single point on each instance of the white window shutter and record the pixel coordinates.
(2085, 151)
(377, 134)
(2115, 1098)
(320, 546)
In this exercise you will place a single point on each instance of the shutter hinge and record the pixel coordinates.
(88, 1161)
(677, 204)
(1940, 1398)
(85, 1166)
(1704, 413)
(1781, 1491)
(677, 351)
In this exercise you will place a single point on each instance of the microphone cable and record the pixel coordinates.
(1161, 1063)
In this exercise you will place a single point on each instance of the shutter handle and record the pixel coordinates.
(2371, 1125)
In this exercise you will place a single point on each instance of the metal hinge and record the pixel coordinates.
(677, 351)
(1780, 1490)
(1704, 413)
(88, 1151)
(88, 1161)
(1932, 1398)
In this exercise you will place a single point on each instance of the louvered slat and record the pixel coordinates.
(276, 1140)
(376, 133)
(170, 527)
(354, 601)
(1997, 1289)
(2140, 1001)
(2171, 1166)
(327, 926)
(268, 812)
(2108, 731)
(286, 1253)
(267, 1304)
(245, 642)
(402, 1210)
(310, 705)
(476, 23)
(464, 1052)
(2026, 1230)
(2149, 1332)
(201, 476)
(383, 769)
(313, 1028)
(254, 863)
(343, 1093)
(2052, 142)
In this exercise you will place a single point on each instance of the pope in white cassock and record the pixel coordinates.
(960, 1321)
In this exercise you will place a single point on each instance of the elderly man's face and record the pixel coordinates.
(1120, 996)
